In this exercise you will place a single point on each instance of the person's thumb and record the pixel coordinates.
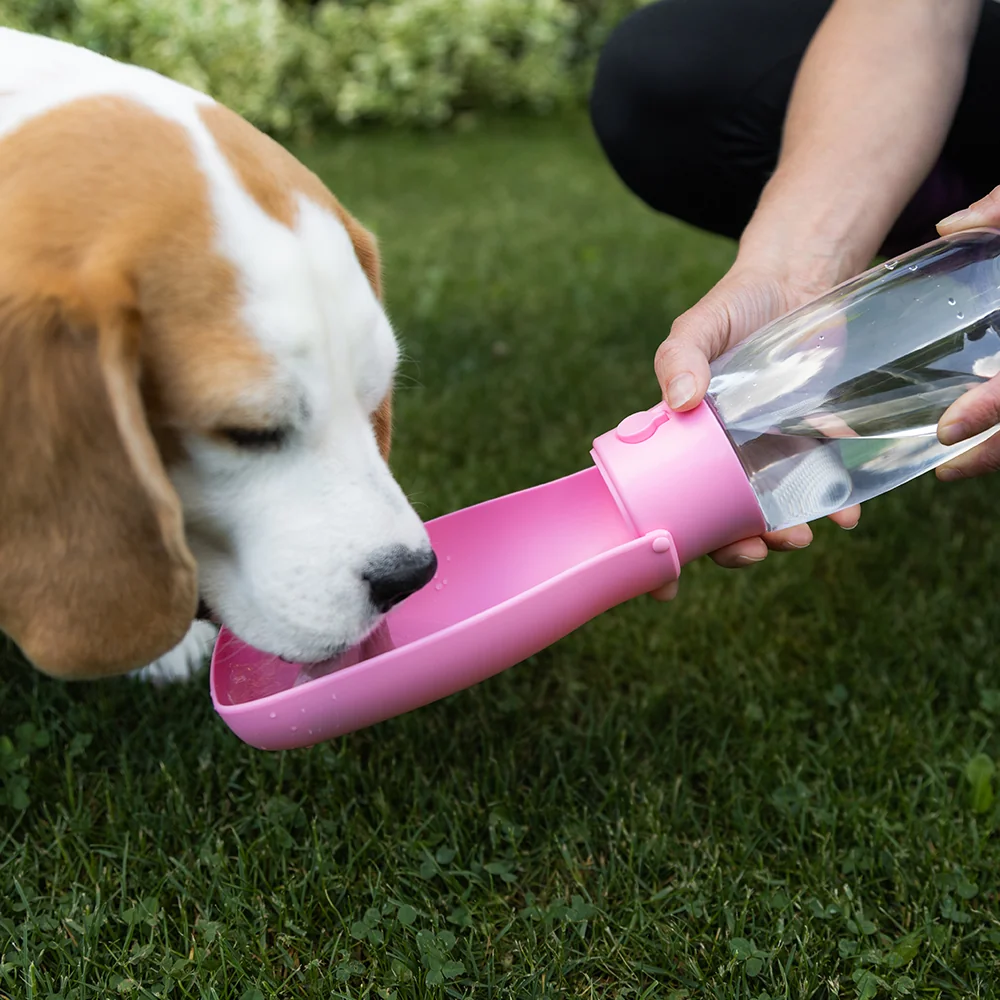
(985, 212)
(682, 360)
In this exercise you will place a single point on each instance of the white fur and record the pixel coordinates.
(298, 526)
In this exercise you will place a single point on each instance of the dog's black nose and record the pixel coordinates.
(396, 574)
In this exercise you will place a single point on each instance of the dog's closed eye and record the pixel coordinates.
(255, 438)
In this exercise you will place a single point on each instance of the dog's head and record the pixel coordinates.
(195, 395)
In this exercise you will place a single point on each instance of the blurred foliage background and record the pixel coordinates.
(295, 67)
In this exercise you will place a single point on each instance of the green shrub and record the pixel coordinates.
(418, 61)
(292, 67)
(45, 16)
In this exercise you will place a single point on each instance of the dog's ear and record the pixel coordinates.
(382, 420)
(95, 574)
(366, 249)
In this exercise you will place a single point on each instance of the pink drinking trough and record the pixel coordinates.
(514, 575)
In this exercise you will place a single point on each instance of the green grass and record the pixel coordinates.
(757, 791)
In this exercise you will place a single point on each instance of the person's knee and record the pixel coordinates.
(689, 99)
(655, 71)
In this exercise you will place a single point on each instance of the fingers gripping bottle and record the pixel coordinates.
(839, 401)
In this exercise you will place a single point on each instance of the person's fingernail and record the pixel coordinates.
(680, 390)
(948, 474)
(799, 538)
(955, 218)
(953, 432)
(749, 560)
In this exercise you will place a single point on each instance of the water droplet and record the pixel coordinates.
(333, 697)
(448, 558)
(295, 729)
(951, 302)
(890, 264)
(303, 711)
(437, 587)
(960, 315)
(445, 582)
(913, 267)
(822, 336)
(274, 715)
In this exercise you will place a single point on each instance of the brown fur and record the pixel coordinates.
(109, 289)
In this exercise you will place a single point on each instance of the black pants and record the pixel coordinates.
(690, 97)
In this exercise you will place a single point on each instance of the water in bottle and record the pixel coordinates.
(839, 401)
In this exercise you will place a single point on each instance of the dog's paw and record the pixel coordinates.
(185, 660)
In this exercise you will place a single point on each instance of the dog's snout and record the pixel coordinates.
(396, 575)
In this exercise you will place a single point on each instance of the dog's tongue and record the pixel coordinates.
(380, 641)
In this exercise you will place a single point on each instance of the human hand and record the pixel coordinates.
(979, 408)
(742, 302)
(837, 187)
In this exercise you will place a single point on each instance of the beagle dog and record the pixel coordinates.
(195, 382)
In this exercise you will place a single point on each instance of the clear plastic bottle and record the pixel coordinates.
(839, 401)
